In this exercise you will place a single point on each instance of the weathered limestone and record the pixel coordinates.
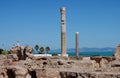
(13, 57)
(115, 63)
(17, 72)
(3, 72)
(69, 74)
(117, 53)
(22, 52)
(59, 67)
(103, 63)
(17, 50)
(56, 67)
(28, 52)
(63, 31)
(86, 63)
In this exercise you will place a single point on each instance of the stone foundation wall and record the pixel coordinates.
(89, 75)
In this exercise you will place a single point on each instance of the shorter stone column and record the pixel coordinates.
(77, 44)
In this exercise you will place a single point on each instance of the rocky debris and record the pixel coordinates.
(96, 58)
(109, 59)
(17, 71)
(69, 74)
(3, 72)
(27, 53)
(47, 73)
(117, 52)
(86, 64)
(22, 52)
(2, 60)
(22, 64)
(75, 58)
(64, 74)
(17, 50)
(13, 57)
(52, 67)
(115, 63)
(60, 63)
(30, 65)
(104, 63)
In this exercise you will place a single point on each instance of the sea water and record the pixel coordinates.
(92, 53)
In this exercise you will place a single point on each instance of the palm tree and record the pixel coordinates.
(36, 48)
(47, 49)
(42, 50)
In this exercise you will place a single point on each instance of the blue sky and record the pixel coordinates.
(38, 22)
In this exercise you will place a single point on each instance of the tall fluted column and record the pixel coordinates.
(63, 31)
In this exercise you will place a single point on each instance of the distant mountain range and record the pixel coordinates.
(88, 50)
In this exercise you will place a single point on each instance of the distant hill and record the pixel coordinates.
(93, 50)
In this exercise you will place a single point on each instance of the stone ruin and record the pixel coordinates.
(117, 53)
(21, 63)
(22, 52)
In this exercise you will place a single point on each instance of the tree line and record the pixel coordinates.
(41, 50)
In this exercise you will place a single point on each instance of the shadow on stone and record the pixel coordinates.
(33, 74)
(10, 73)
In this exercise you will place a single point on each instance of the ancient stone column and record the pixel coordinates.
(63, 31)
(77, 44)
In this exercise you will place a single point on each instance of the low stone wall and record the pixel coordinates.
(66, 74)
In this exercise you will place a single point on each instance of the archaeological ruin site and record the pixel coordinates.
(21, 63)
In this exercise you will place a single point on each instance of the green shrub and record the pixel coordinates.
(4, 52)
